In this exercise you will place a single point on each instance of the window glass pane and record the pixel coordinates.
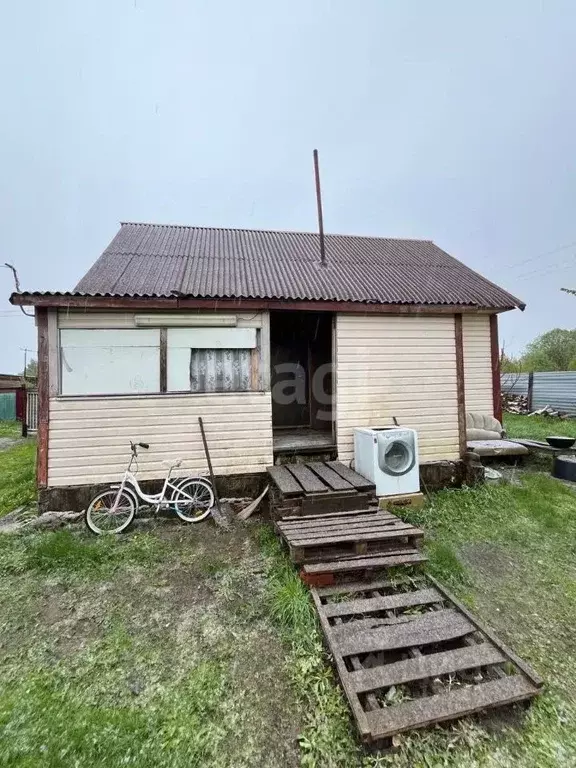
(220, 370)
(210, 359)
(109, 362)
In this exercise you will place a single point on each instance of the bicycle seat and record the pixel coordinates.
(172, 463)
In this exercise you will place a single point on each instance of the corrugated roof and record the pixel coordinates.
(159, 260)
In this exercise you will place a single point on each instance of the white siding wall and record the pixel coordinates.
(398, 365)
(477, 363)
(89, 436)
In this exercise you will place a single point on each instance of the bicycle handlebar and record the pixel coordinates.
(134, 446)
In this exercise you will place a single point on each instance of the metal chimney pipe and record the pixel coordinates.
(319, 204)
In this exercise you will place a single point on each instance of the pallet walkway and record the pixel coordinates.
(410, 655)
(318, 487)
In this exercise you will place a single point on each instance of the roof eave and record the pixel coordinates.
(85, 301)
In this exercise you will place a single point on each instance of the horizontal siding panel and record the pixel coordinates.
(388, 345)
(395, 321)
(145, 463)
(404, 413)
(411, 368)
(135, 427)
(64, 478)
(402, 366)
(431, 395)
(89, 437)
(158, 403)
(477, 364)
(106, 448)
(400, 379)
(109, 436)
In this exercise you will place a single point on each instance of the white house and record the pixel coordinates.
(279, 353)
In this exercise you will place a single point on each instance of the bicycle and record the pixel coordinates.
(113, 510)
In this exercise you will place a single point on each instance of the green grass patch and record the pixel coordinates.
(10, 429)
(538, 427)
(17, 476)
(51, 717)
(75, 555)
(327, 738)
(123, 651)
(509, 551)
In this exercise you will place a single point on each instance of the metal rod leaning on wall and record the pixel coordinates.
(216, 511)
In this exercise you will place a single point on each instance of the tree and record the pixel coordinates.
(510, 364)
(552, 351)
(31, 371)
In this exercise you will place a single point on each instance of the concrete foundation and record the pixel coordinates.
(433, 476)
(77, 497)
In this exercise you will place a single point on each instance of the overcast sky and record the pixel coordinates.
(449, 121)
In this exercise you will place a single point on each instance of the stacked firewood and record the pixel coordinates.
(514, 403)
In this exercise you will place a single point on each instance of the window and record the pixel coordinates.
(212, 360)
(220, 370)
(109, 362)
(153, 360)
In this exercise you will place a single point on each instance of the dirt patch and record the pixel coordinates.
(9, 442)
(489, 560)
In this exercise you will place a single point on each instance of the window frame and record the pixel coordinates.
(257, 375)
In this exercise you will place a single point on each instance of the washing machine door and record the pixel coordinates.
(395, 456)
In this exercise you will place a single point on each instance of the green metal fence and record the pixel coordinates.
(8, 406)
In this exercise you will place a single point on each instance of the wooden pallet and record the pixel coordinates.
(318, 487)
(410, 655)
(360, 567)
(320, 538)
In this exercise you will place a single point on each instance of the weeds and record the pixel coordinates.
(17, 476)
(118, 651)
(74, 555)
(11, 429)
(65, 733)
(327, 738)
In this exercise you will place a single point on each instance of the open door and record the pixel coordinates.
(301, 379)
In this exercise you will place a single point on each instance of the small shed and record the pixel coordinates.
(278, 352)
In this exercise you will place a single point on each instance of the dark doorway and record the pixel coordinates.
(301, 378)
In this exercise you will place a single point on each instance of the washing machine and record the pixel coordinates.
(389, 457)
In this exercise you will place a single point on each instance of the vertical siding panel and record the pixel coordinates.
(477, 363)
(398, 365)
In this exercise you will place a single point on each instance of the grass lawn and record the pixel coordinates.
(17, 474)
(190, 646)
(152, 649)
(10, 429)
(538, 427)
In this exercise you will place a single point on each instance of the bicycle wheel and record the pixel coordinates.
(100, 518)
(193, 500)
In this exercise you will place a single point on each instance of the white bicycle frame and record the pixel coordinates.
(130, 484)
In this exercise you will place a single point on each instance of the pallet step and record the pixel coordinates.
(365, 563)
(319, 487)
(360, 532)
